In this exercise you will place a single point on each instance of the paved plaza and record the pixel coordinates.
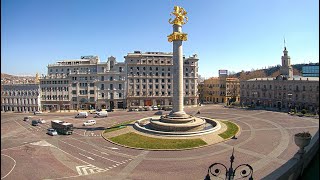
(265, 141)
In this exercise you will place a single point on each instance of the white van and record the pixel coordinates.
(89, 123)
(101, 114)
(82, 115)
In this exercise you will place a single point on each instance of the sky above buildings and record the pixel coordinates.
(232, 35)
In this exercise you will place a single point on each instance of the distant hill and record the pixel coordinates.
(269, 72)
(14, 79)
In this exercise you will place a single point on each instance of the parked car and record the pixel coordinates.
(41, 121)
(109, 110)
(89, 123)
(155, 108)
(37, 112)
(52, 132)
(34, 123)
(82, 115)
(27, 118)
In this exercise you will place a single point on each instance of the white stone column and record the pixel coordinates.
(177, 75)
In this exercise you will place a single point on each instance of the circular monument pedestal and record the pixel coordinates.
(169, 123)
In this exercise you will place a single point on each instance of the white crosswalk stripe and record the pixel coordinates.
(88, 169)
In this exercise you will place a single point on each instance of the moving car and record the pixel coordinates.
(41, 121)
(34, 123)
(82, 115)
(89, 123)
(52, 132)
(155, 108)
(27, 118)
(101, 114)
(37, 112)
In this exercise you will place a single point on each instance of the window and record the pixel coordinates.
(91, 91)
(111, 86)
(120, 95)
(120, 86)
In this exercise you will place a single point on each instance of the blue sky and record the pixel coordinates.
(233, 35)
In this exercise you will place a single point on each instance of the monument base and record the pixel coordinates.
(178, 121)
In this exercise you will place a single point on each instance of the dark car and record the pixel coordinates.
(35, 123)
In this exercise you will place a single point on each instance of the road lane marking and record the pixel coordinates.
(12, 167)
(86, 156)
(88, 169)
(89, 152)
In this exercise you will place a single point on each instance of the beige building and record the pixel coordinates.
(220, 89)
(149, 79)
(283, 92)
(83, 83)
(20, 97)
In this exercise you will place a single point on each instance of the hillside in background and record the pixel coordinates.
(269, 72)
(13, 79)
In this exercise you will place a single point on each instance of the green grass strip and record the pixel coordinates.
(136, 140)
(232, 130)
(118, 126)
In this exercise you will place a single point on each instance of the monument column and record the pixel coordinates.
(177, 37)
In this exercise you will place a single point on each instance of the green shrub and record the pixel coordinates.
(303, 111)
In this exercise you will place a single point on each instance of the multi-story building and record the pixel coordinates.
(149, 79)
(310, 70)
(111, 84)
(221, 89)
(284, 92)
(20, 97)
(80, 84)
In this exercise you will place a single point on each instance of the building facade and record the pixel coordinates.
(310, 70)
(82, 84)
(284, 92)
(221, 89)
(149, 79)
(20, 97)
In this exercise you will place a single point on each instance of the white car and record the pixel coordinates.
(41, 121)
(89, 123)
(37, 112)
(155, 108)
(52, 132)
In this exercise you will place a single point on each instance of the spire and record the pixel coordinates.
(37, 78)
(284, 43)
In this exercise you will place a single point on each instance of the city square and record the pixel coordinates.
(153, 115)
(265, 141)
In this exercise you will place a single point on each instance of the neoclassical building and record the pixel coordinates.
(284, 92)
(20, 97)
(84, 83)
(149, 79)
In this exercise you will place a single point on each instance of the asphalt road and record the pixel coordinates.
(27, 152)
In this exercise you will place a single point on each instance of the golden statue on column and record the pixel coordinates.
(180, 14)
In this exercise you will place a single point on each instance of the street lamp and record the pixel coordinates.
(231, 173)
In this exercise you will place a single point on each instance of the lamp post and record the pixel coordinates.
(230, 173)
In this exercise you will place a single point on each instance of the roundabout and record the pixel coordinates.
(265, 141)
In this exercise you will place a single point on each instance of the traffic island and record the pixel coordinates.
(125, 135)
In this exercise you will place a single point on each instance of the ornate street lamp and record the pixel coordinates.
(231, 173)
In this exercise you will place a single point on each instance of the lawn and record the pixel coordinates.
(118, 126)
(232, 130)
(136, 140)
